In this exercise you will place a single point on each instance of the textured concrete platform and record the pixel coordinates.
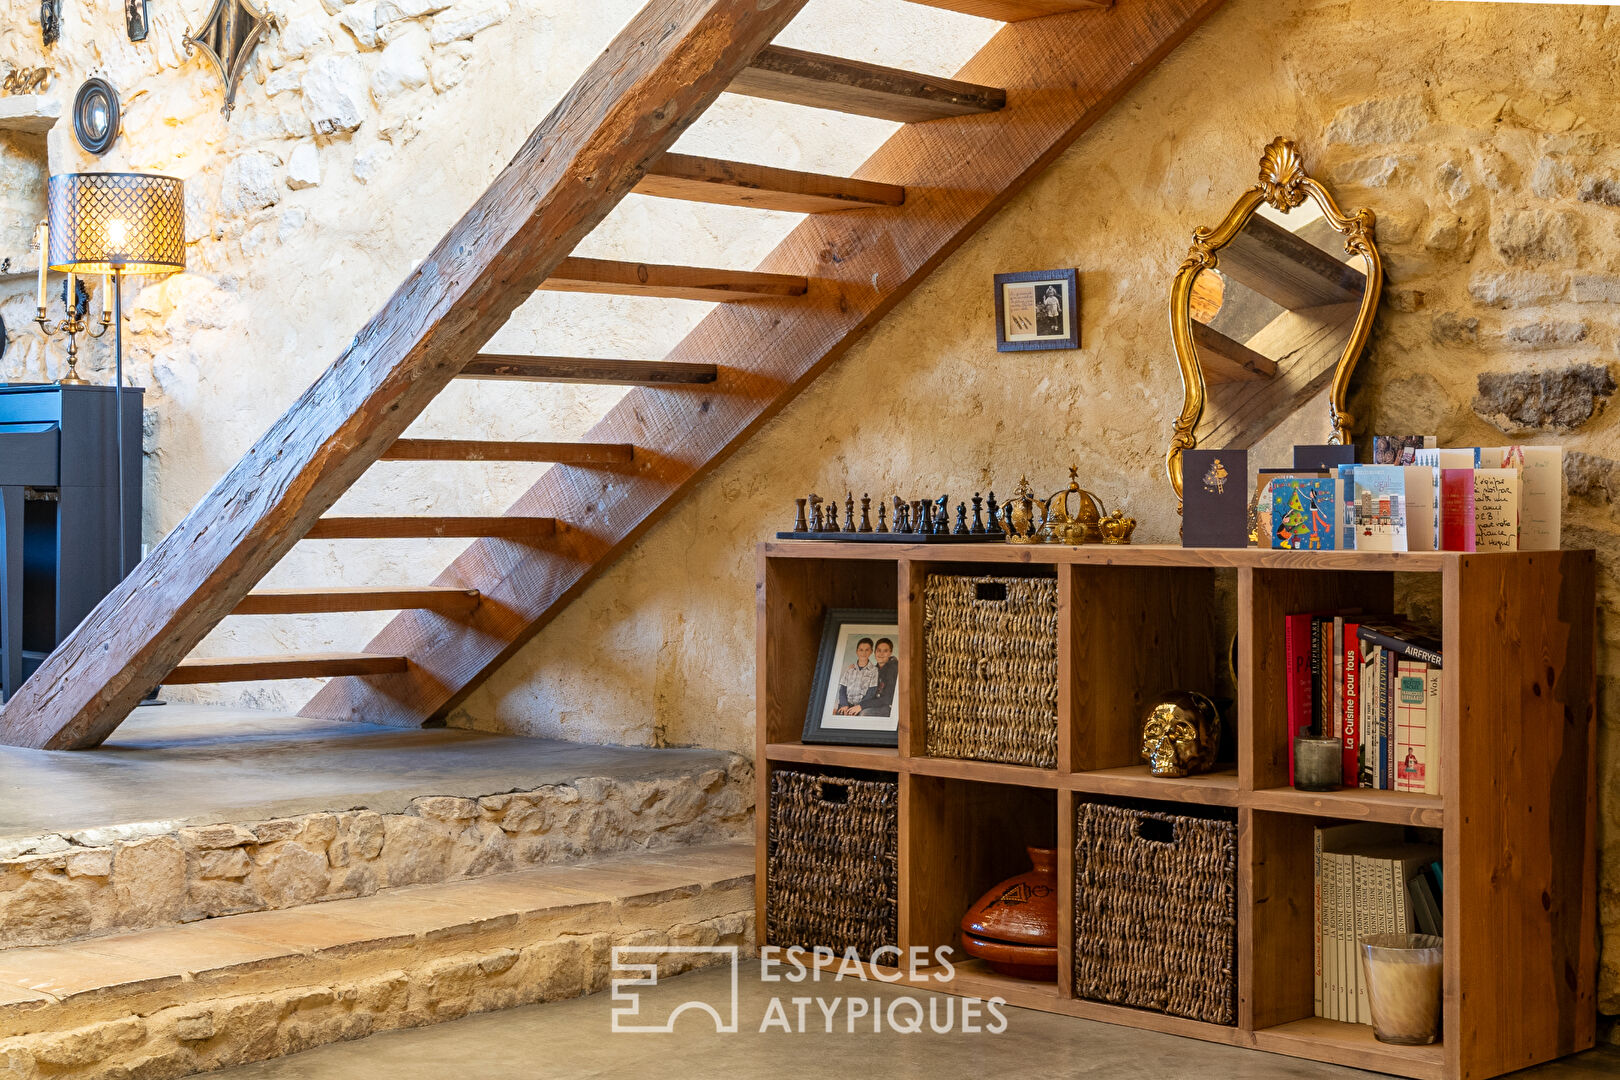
(175, 765)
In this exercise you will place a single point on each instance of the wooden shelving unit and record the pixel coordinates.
(1518, 773)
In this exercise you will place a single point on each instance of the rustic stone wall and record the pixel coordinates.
(57, 888)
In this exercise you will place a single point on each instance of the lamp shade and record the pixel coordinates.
(128, 223)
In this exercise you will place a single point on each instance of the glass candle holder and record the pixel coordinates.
(1403, 987)
(1318, 763)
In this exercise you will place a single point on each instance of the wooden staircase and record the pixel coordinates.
(968, 144)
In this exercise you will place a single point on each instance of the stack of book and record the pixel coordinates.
(1502, 498)
(1374, 684)
(1368, 881)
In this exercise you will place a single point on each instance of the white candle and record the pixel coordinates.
(72, 293)
(44, 258)
(106, 295)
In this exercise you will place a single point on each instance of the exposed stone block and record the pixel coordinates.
(1603, 190)
(1382, 120)
(248, 184)
(231, 863)
(1558, 399)
(209, 837)
(1597, 289)
(461, 24)
(149, 881)
(1588, 476)
(1515, 289)
(1449, 328)
(333, 93)
(1535, 236)
(303, 166)
(1546, 335)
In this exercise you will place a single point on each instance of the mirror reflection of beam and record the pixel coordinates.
(1288, 269)
(1307, 345)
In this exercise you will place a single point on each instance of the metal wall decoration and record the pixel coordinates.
(95, 115)
(137, 19)
(50, 21)
(228, 37)
(26, 80)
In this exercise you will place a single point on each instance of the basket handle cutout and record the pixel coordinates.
(1155, 831)
(837, 794)
(991, 591)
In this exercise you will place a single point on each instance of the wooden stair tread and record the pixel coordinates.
(219, 669)
(737, 183)
(575, 274)
(1014, 10)
(417, 528)
(557, 453)
(1288, 270)
(444, 599)
(853, 86)
(1225, 360)
(577, 369)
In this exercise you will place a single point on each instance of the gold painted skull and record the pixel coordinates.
(1181, 734)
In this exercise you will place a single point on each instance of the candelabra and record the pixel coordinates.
(72, 325)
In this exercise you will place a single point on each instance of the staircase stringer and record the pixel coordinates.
(1062, 73)
(656, 77)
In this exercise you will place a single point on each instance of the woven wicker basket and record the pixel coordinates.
(832, 869)
(1155, 912)
(991, 647)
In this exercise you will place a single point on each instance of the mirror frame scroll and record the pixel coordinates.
(1284, 185)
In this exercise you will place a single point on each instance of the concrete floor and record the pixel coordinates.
(174, 765)
(574, 1040)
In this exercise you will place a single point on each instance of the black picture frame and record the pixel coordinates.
(96, 116)
(1012, 338)
(816, 729)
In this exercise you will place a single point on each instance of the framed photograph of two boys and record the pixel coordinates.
(1038, 309)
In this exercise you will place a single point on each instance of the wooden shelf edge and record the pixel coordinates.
(880, 758)
(1218, 788)
(1140, 555)
(1357, 804)
(984, 772)
(1352, 1045)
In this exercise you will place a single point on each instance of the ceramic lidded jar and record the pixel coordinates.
(1013, 927)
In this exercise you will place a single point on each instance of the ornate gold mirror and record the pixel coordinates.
(1270, 311)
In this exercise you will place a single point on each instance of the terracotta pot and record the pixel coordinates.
(1013, 927)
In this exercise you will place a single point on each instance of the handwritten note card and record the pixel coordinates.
(1496, 509)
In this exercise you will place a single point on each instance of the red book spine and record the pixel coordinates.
(1352, 700)
(1297, 653)
(1457, 509)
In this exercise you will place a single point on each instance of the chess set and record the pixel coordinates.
(918, 521)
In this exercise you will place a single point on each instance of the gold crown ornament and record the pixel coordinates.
(1023, 515)
(1062, 527)
(1116, 528)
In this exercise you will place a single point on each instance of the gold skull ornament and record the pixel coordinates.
(1181, 734)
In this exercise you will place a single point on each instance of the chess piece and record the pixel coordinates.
(995, 515)
(866, 513)
(900, 525)
(961, 520)
(799, 523)
(816, 523)
(942, 514)
(883, 517)
(849, 511)
(924, 519)
(978, 513)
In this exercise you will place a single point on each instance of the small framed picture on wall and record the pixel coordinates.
(857, 672)
(1039, 309)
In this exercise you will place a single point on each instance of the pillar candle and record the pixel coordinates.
(44, 259)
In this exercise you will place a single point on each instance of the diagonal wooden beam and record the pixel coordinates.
(575, 369)
(655, 78)
(1062, 74)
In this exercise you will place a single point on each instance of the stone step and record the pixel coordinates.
(180, 1000)
(295, 815)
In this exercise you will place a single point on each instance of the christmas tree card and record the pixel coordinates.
(1302, 513)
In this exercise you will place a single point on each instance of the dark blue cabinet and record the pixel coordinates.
(59, 524)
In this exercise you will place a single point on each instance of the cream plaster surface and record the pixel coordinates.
(1483, 135)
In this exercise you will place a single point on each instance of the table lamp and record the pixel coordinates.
(113, 224)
